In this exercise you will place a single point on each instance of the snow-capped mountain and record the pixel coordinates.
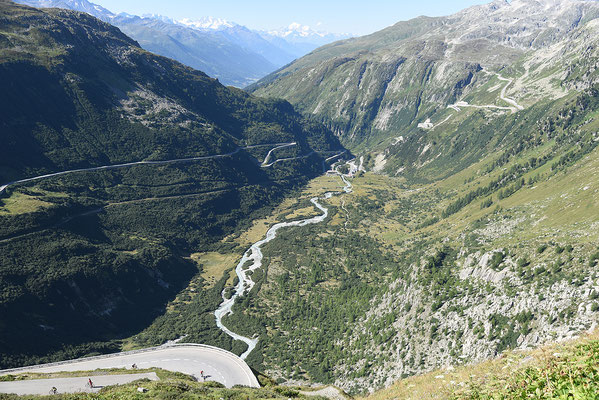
(296, 31)
(77, 5)
(207, 23)
(228, 51)
(298, 39)
(158, 17)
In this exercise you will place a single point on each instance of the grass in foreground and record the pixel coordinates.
(568, 370)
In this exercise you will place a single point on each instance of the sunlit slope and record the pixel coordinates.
(407, 277)
(554, 371)
(380, 91)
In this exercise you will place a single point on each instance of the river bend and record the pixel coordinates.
(254, 254)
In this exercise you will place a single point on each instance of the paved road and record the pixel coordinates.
(70, 385)
(267, 158)
(264, 164)
(504, 90)
(514, 106)
(218, 365)
(160, 162)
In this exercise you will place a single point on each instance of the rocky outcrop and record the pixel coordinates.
(481, 269)
(492, 310)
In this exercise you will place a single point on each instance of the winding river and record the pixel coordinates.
(254, 255)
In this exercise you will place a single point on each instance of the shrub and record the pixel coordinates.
(523, 262)
(287, 392)
(496, 260)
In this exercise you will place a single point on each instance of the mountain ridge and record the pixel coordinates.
(417, 68)
(230, 52)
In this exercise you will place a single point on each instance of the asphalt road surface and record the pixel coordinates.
(158, 162)
(70, 385)
(217, 364)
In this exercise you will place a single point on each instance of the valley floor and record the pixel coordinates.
(384, 289)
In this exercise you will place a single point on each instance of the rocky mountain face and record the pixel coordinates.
(88, 257)
(378, 87)
(222, 49)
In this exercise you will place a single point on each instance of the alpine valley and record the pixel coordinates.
(414, 213)
(90, 256)
(481, 130)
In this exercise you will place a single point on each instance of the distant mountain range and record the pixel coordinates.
(233, 53)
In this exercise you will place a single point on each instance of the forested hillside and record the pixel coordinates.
(89, 258)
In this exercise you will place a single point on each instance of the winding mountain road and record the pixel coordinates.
(159, 162)
(514, 107)
(267, 158)
(217, 364)
(502, 94)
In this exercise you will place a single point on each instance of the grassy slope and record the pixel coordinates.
(567, 370)
(559, 209)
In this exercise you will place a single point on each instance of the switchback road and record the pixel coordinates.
(218, 365)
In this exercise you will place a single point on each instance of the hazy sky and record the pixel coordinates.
(340, 16)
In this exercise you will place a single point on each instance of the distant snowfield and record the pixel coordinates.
(207, 23)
